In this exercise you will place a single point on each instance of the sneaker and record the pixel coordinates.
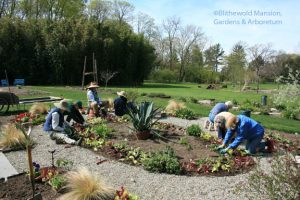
(52, 136)
(79, 142)
(60, 141)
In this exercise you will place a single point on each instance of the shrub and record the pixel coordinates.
(283, 182)
(173, 106)
(183, 99)
(193, 100)
(194, 130)
(164, 75)
(224, 86)
(185, 113)
(163, 162)
(235, 102)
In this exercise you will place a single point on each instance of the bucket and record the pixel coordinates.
(264, 100)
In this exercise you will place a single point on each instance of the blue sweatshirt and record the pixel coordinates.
(219, 107)
(247, 129)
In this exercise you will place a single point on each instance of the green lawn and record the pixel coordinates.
(177, 91)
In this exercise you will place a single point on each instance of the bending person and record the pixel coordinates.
(74, 113)
(246, 129)
(220, 123)
(219, 107)
(56, 127)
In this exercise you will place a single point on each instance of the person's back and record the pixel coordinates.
(120, 106)
(48, 123)
(249, 127)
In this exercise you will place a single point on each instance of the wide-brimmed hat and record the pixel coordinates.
(63, 105)
(122, 93)
(92, 85)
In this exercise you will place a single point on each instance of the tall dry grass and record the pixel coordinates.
(173, 106)
(12, 138)
(83, 185)
(38, 108)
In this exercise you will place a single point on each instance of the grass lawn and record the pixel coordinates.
(179, 91)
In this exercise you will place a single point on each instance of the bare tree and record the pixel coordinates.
(188, 36)
(171, 27)
(107, 76)
(99, 9)
(145, 25)
(259, 54)
(122, 10)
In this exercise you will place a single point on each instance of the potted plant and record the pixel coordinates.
(143, 119)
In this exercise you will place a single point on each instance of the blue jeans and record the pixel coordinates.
(255, 143)
(211, 117)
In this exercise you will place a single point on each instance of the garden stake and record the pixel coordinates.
(52, 157)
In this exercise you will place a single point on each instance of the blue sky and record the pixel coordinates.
(285, 36)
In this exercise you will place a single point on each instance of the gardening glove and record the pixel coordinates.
(223, 151)
(221, 147)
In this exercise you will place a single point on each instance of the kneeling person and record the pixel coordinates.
(55, 125)
(121, 105)
(220, 123)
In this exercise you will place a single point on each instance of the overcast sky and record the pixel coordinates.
(284, 35)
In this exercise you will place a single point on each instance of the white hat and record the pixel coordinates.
(229, 104)
(63, 105)
(121, 93)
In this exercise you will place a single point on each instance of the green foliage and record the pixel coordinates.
(95, 144)
(163, 162)
(185, 113)
(57, 182)
(184, 141)
(132, 95)
(247, 105)
(143, 119)
(101, 130)
(193, 100)
(282, 182)
(194, 130)
(183, 99)
(164, 75)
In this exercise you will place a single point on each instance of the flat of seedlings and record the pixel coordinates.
(19, 187)
(185, 147)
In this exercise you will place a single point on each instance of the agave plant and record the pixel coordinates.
(143, 117)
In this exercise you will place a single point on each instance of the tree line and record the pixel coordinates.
(45, 41)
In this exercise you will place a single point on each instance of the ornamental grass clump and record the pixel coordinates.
(83, 185)
(12, 138)
(194, 130)
(173, 106)
(38, 108)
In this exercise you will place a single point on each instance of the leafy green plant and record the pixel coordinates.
(193, 100)
(135, 156)
(57, 182)
(185, 113)
(163, 161)
(95, 143)
(144, 118)
(64, 163)
(102, 130)
(183, 99)
(194, 130)
(184, 141)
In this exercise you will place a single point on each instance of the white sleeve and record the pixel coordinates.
(55, 122)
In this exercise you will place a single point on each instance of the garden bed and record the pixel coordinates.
(19, 187)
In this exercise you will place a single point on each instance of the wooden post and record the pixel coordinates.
(94, 67)
(83, 73)
(7, 80)
(96, 74)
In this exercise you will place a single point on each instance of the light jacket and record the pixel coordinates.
(48, 124)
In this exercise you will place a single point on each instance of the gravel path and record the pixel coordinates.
(148, 186)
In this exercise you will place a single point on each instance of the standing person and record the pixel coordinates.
(74, 113)
(56, 126)
(219, 107)
(94, 101)
(220, 123)
(245, 129)
(120, 104)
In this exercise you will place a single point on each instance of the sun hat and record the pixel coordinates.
(121, 93)
(92, 85)
(63, 105)
(79, 104)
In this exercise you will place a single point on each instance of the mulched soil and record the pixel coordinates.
(19, 187)
(198, 149)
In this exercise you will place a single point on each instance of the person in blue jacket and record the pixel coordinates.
(245, 129)
(218, 108)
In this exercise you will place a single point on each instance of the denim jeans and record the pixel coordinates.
(255, 143)
(211, 117)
